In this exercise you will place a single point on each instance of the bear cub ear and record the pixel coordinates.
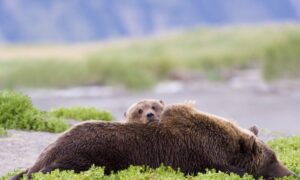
(254, 129)
(248, 146)
(162, 102)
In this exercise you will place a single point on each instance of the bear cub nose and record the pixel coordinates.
(150, 115)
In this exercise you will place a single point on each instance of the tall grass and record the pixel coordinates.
(282, 59)
(45, 73)
(142, 63)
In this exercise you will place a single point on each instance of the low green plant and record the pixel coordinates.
(82, 113)
(18, 112)
(133, 172)
(50, 123)
(2, 131)
(287, 149)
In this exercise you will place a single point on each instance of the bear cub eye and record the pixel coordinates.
(153, 107)
(140, 111)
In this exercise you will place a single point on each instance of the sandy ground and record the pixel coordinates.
(275, 110)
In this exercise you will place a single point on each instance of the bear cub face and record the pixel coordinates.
(144, 111)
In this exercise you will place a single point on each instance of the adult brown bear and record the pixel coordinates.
(185, 138)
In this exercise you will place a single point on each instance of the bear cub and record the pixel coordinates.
(144, 111)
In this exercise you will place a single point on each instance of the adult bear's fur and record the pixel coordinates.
(185, 139)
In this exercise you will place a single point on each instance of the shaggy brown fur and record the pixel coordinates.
(149, 110)
(144, 111)
(223, 144)
(185, 139)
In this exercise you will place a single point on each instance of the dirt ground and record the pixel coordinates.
(274, 109)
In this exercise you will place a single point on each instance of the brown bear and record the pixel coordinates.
(148, 110)
(185, 138)
(233, 148)
(144, 111)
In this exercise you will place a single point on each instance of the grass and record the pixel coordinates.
(48, 73)
(287, 149)
(2, 131)
(82, 113)
(282, 59)
(18, 112)
(142, 63)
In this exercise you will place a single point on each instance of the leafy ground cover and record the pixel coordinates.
(2, 131)
(82, 113)
(18, 112)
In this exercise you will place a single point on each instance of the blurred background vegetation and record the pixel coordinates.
(139, 43)
(141, 63)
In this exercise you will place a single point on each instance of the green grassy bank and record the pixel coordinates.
(142, 63)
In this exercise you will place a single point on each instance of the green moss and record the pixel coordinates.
(82, 113)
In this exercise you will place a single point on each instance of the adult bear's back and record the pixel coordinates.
(114, 146)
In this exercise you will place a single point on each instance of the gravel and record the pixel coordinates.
(20, 149)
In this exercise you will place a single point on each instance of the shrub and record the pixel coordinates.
(17, 112)
(13, 108)
(82, 113)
